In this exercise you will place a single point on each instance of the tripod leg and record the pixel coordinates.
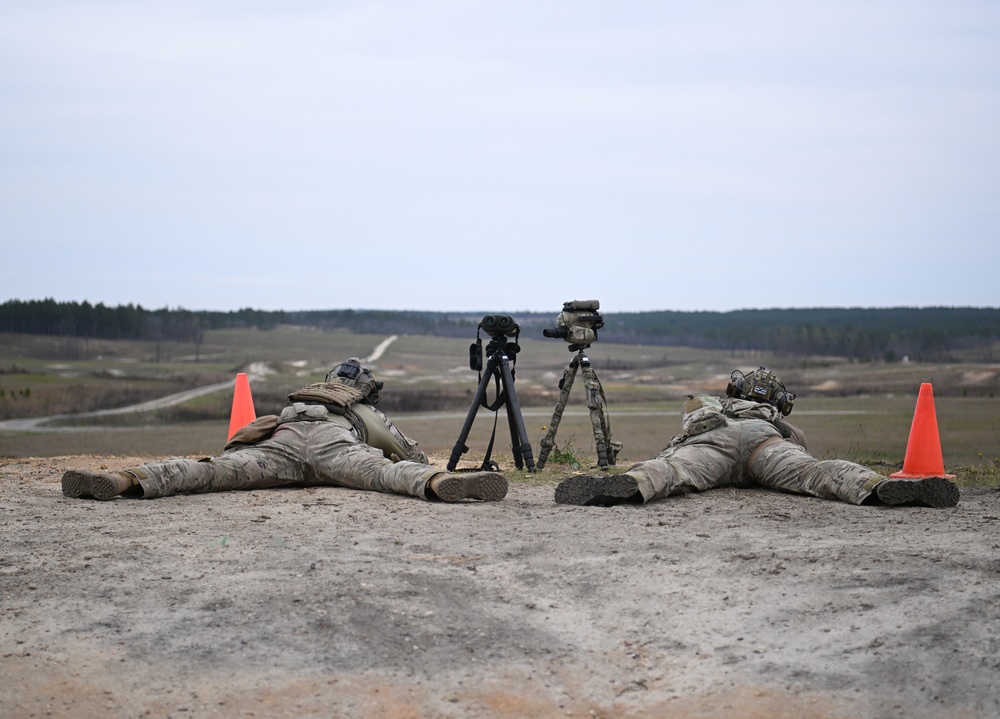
(549, 440)
(459, 449)
(613, 448)
(520, 445)
(515, 441)
(599, 419)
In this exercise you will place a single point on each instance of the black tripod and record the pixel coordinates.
(600, 420)
(498, 368)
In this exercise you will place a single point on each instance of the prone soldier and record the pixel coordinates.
(745, 440)
(329, 434)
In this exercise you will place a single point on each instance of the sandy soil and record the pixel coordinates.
(330, 602)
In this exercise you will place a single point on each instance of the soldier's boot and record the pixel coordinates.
(81, 483)
(934, 492)
(599, 490)
(485, 486)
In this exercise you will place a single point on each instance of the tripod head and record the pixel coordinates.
(499, 328)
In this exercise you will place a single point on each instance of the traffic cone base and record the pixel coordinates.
(923, 449)
(243, 412)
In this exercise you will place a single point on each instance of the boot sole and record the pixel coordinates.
(935, 492)
(82, 484)
(602, 491)
(484, 486)
(75, 484)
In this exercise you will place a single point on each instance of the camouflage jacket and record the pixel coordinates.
(704, 413)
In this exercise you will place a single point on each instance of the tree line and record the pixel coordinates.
(922, 334)
(865, 334)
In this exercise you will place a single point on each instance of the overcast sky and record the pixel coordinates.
(500, 156)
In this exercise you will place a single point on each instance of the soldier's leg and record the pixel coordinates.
(275, 462)
(677, 470)
(339, 458)
(786, 466)
(686, 468)
(783, 465)
(693, 467)
(715, 458)
(159, 479)
(359, 468)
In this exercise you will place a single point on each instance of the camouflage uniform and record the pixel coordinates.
(739, 443)
(310, 446)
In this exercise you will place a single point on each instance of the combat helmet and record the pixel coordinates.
(351, 373)
(762, 386)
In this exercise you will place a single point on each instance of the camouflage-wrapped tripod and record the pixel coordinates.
(600, 420)
(578, 324)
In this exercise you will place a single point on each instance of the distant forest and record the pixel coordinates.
(863, 334)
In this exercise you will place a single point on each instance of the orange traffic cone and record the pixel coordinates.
(243, 412)
(923, 449)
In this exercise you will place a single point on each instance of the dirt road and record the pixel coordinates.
(41, 424)
(330, 602)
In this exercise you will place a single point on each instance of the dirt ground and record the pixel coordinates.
(329, 602)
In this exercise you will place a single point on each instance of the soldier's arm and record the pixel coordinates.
(383, 435)
(797, 435)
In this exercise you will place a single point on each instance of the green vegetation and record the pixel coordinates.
(980, 475)
(565, 455)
